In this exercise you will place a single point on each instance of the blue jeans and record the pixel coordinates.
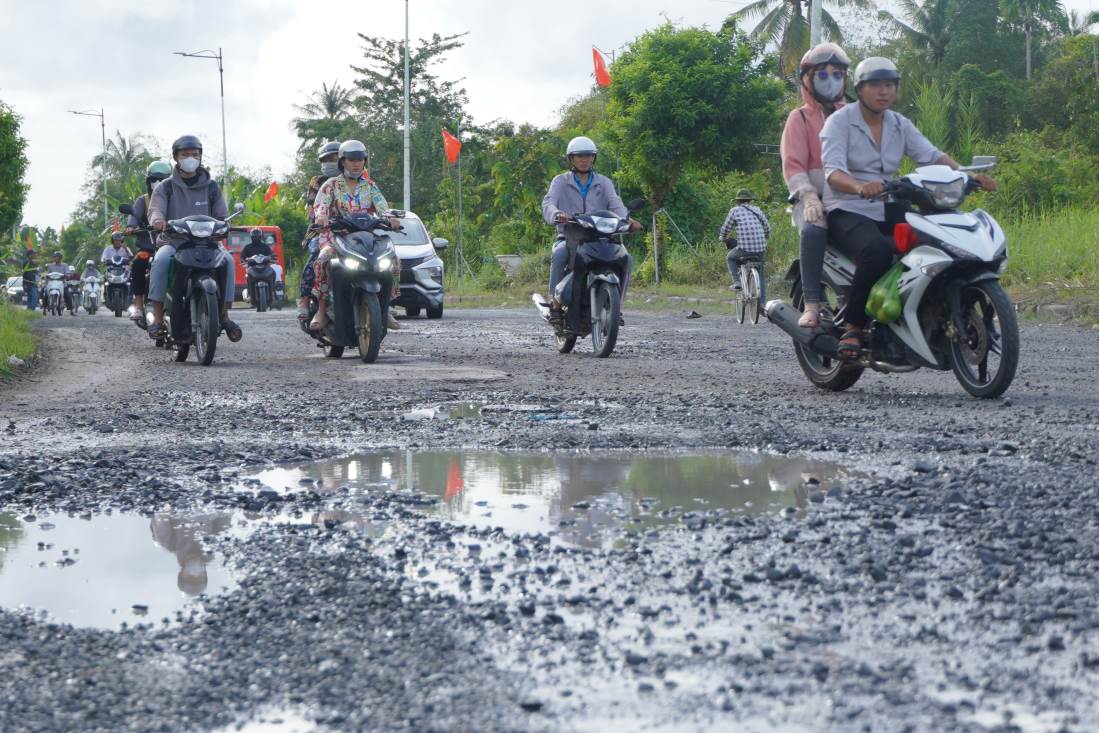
(559, 260)
(733, 260)
(31, 296)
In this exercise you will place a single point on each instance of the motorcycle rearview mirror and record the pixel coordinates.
(636, 204)
(440, 244)
(238, 209)
(127, 209)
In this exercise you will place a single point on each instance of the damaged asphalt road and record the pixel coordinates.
(945, 581)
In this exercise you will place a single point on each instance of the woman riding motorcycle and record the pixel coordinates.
(823, 78)
(328, 157)
(137, 225)
(862, 145)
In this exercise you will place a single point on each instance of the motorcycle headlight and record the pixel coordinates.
(384, 263)
(946, 195)
(350, 263)
(606, 225)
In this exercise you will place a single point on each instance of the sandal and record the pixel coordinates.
(850, 345)
(232, 330)
(157, 331)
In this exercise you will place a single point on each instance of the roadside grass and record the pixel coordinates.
(15, 335)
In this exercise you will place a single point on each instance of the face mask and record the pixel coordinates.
(188, 165)
(330, 169)
(828, 89)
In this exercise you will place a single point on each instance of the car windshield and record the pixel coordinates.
(414, 232)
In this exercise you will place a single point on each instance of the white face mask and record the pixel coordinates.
(829, 89)
(189, 165)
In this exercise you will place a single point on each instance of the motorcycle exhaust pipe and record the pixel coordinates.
(785, 316)
(541, 305)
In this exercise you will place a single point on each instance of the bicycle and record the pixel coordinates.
(746, 300)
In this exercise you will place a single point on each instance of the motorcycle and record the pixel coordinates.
(54, 296)
(260, 274)
(600, 262)
(72, 289)
(360, 279)
(89, 294)
(118, 285)
(952, 312)
(197, 240)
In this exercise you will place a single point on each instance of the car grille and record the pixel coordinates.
(413, 262)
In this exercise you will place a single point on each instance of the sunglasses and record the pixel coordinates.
(823, 75)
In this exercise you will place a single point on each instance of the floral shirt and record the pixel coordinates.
(338, 195)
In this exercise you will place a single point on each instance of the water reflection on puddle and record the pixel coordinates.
(587, 498)
(109, 569)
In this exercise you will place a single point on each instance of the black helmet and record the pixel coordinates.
(330, 148)
(187, 142)
(257, 234)
(57, 253)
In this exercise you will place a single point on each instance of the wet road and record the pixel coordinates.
(923, 560)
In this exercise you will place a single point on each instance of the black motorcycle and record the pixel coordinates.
(260, 275)
(599, 262)
(360, 281)
(117, 292)
(72, 290)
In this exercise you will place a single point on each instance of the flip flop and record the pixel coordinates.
(850, 345)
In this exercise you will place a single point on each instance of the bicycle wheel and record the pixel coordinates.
(752, 291)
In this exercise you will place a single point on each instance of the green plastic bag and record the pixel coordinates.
(884, 303)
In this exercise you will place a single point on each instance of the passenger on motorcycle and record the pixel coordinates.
(352, 192)
(862, 145)
(189, 190)
(257, 247)
(117, 248)
(577, 191)
(57, 266)
(137, 225)
(90, 270)
(745, 233)
(328, 157)
(823, 81)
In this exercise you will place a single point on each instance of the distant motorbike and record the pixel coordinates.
(89, 294)
(361, 279)
(54, 296)
(72, 288)
(591, 291)
(948, 310)
(260, 274)
(118, 285)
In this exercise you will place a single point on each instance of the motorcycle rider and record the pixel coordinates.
(861, 145)
(328, 157)
(137, 225)
(257, 247)
(90, 270)
(350, 193)
(822, 81)
(188, 191)
(117, 248)
(576, 191)
(58, 266)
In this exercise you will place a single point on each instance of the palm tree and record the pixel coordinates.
(123, 157)
(1074, 23)
(785, 23)
(928, 26)
(1031, 13)
(327, 105)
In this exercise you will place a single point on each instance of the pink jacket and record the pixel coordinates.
(800, 149)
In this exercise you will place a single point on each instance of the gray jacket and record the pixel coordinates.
(564, 196)
(188, 198)
(137, 220)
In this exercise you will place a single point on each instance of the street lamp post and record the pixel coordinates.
(103, 161)
(407, 132)
(209, 54)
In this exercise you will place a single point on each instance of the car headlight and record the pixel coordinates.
(384, 263)
(606, 225)
(435, 273)
(946, 195)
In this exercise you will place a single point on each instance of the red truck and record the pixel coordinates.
(241, 236)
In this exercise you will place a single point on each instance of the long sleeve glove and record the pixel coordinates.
(814, 210)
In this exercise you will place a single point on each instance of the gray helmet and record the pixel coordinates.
(352, 149)
(328, 149)
(187, 142)
(876, 68)
(581, 146)
(89, 263)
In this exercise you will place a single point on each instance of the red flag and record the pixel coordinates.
(272, 192)
(115, 225)
(454, 482)
(602, 76)
(451, 146)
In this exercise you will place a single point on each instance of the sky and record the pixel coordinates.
(521, 61)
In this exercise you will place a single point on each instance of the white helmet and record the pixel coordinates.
(876, 68)
(89, 263)
(581, 146)
(353, 149)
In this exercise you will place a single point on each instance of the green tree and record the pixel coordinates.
(322, 114)
(785, 24)
(1032, 13)
(13, 166)
(927, 27)
(978, 37)
(1064, 92)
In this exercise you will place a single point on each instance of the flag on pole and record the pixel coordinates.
(272, 192)
(115, 226)
(451, 146)
(602, 76)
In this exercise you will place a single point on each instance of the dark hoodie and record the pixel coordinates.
(189, 197)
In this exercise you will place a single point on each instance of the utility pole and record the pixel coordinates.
(460, 257)
(209, 54)
(103, 160)
(407, 123)
(814, 22)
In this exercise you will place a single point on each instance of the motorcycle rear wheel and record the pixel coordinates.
(833, 375)
(991, 331)
(206, 326)
(370, 328)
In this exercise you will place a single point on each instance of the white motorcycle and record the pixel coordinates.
(54, 295)
(89, 294)
(954, 314)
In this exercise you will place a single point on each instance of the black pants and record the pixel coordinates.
(180, 315)
(139, 276)
(869, 244)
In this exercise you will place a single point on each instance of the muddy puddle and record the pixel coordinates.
(109, 569)
(584, 499)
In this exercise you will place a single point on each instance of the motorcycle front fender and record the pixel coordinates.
(207, 284)
(979, 277)
(371, 286)
(607, 277)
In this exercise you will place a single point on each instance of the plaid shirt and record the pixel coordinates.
(750, 226)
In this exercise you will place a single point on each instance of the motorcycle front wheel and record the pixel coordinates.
(984, 358)
(605, 309)
(261, 300)
(370, 328)
(206, 326)
(833, 375)
(565, 342)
